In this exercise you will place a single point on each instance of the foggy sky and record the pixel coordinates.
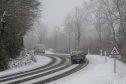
(55, 11)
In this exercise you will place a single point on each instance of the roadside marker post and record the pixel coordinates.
(101, 52)
(105, 53)
(114, 53)
(114, 65)
(88, 51)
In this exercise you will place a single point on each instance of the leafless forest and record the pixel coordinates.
(95, 25)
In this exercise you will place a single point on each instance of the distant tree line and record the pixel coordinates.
(96, 25)
(18, 16)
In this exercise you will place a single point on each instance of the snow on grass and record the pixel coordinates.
(21, 61)
(97, 72)
(41, 61)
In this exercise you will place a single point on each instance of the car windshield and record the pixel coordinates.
(76, 52)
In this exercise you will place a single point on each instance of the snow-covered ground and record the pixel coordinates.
(41, 61)
(97, 72)
(50, 52)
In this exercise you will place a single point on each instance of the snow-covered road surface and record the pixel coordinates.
(57, 66)
(28, 67)
(30, 72)
(60, 66)
(97, 72)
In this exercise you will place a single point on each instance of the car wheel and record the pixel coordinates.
(82, 61)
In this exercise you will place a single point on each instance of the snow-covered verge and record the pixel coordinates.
(26, 58)
(21, 61)
(41, 61)
(97, 72)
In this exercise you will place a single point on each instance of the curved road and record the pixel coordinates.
(59, 67)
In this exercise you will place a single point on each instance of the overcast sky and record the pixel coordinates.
(55, 11)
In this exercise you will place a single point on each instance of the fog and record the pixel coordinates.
(55, 11)
(77, 25)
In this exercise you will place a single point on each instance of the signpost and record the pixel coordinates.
(88, 51)
(105, 53)
(114, 53)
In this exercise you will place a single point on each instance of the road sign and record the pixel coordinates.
(114, 52)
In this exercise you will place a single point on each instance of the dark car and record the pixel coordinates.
(78, 57)
(39, 49)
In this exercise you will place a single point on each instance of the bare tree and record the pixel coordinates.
(68, 24)
(120, 5)
(78, 23)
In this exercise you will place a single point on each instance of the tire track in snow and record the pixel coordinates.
(48, 72)
(53, 59)
(45, 74)
(77, 68)
(26, 73)
(30, 76)
(57, 75)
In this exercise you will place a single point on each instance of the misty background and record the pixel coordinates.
(67, 25)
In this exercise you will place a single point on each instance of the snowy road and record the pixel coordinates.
(58, 67)
(97, 72)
